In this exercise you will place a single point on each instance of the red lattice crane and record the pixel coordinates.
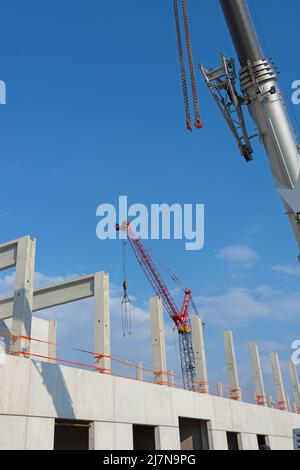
(180, 317)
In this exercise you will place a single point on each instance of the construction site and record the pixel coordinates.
(71, 395)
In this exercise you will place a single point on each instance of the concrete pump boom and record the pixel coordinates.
(260, 92)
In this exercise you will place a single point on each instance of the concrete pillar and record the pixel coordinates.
(171, 378)
(280, 443)
(201, 378)
(159, 362)
(247, 441)
(233, 378)
(23, 293)
(139, 371)
(52, 340)
(102, 322)
(220, 390)
(40, 433)
(167, 438)
(110, 436)
(270, 402)
(280, 392)
(257, 375)
(295, 385)
(217, 438)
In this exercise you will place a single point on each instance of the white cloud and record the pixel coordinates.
(235, 303)
(291, 270)
(7, 285)
(239, 255)
(239, 304)
(269, 346)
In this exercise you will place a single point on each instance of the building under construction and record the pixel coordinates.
(47, 402)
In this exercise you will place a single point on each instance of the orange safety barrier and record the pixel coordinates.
(202, 387)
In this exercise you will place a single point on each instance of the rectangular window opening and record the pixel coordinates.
(193, 434)
(71, 435)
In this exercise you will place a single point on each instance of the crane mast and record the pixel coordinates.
(260, 93)
(180, 318)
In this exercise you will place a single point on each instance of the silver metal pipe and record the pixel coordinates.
(242, 30)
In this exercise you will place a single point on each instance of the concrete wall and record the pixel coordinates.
(33, 393)
(41, 330)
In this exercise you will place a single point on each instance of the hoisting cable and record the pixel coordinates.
(168, 271)
(126, 302)
(182, 68)
(198, 121)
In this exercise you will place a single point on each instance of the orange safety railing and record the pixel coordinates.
(121, 367)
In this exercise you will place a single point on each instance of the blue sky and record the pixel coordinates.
(94, 110)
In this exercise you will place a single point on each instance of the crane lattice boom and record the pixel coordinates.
(180, 317)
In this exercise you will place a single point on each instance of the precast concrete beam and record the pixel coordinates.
(54, 295)
(80, 288)
(8, 254)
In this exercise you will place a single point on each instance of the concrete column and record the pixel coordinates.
(233, 378)
(23, 293)
(217, 439)
(110, 436)
(171, 378)
(280, 443)
(220, 390)
(280, 392)
(257, 375)
(159, 362)
(247, 441)
(52, 340)
(270, 402)
(40, 433)
(102, 322)
(139, 371)
(167, 438)
(201, 379)
(295, 385)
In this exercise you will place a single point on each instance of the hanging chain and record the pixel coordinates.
(126, 302)
(182, 68)
(198, 122)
